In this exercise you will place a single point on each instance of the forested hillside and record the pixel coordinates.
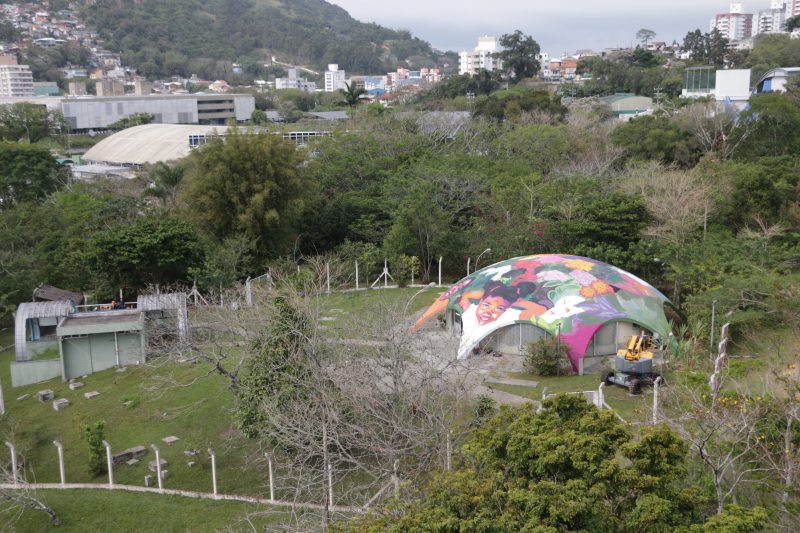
(183, 36)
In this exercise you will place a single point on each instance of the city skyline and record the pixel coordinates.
(558, 28)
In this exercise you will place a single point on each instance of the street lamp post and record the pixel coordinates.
(423, 289)
(479, 257)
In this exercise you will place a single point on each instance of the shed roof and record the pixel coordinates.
(107, 323)
(53, 294)
(150, 143)
(28, 310)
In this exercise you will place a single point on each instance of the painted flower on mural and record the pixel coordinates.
(596, 288)
(579, 264)
(563, 308)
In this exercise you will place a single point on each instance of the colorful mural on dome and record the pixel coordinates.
(562, 294)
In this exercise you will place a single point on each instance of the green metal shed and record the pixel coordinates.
(90, 344)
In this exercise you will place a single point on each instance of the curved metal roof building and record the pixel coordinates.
(565, 295)
(150, 143)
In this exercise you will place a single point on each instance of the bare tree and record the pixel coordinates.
(16, 497)
(680, 201)
(712, 126)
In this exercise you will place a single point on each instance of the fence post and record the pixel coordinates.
(449, 450)
(656, 386)
(271, 483)
(330, 486)
(158, 466)
(2, 401)
(328, 277)
(601, 400)
(396, 478)
(440, 271)
(248, 292)
(356, 275)
(110, 464)
(213, 470)
(60, 448)
(13, 462)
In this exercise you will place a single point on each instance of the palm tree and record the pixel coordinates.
(352, 94)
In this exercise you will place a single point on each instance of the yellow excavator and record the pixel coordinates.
(633, 365)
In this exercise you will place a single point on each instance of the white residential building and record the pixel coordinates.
(735, 25)
(16, 81)
(773, 20)
(334, 78)
(482, 57)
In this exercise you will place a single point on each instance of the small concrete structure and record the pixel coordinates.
(23, 397)
(131, 453)
(132, 462)
(170, 440)
(45, 395)
(148, 480)
(91, 394)
(60, 404)
(164, 474)
(190, 453)
(153, 467)
(75, 385)
(190, 464)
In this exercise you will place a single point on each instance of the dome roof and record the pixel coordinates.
(564, 295)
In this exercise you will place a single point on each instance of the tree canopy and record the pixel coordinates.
(569, 468)
(248, 183)
(519, 55)
(27, 173)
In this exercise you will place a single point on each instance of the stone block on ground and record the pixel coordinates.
(45, 395)
(131, 453)
(132, 462)
(60, 404)
(122, 369)
(23, 397)
(91, 394)
(164, 474)
(190, 464)
(171, 439)
(190, 453)
(75, 385)
(148, 480)
(152, 465)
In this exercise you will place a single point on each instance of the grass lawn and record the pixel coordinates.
(631, 408)
(337, 306)
(106, 511)
(199, 415)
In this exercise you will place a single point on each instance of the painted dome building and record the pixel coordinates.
(594, 307)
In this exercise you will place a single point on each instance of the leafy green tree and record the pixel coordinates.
(30, 122)
(259, 118)
(94, 434)
(273, 373)
(153, 250)
(657, 138)
(137, 119)
(793, 23)
(569, 468)
(249, 184)
(770, 127)
(27, 173)
(519, 55)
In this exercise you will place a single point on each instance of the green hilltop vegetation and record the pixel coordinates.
(163, 38)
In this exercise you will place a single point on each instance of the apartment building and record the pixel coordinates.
(482, 57)
(735, 25)
(16, 81)
(334, 78)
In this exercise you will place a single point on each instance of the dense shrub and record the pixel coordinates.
(545, 356)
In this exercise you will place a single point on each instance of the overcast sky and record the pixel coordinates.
(557, 25)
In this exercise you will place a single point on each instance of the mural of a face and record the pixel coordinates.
(490, 308)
